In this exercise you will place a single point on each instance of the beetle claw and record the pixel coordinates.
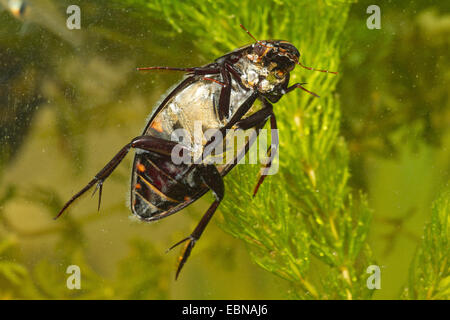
(99, 187)
(178, 243)
(258, 184)
(185, 254)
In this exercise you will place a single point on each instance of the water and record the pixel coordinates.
(70, 99)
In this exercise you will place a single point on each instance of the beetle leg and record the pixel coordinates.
(212, 178)
(214, 80)
(260, 117)
(225, 93)
(224, 100)
(148, 143)
(241, 111)
(195, 70)
(271, 151)
(255, 119)
(299, 85)
(236, 75)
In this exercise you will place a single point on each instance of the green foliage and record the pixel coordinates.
(429, 276)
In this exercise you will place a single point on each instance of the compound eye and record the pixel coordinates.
(279, 74)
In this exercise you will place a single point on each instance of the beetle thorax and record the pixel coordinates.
(255, 75)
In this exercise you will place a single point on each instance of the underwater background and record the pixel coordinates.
(364, 169)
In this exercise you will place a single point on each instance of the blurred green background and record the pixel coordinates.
(69, 100)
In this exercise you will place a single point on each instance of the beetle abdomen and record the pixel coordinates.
(158, 185)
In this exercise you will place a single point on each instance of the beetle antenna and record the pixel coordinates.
(248, 32)
(165, 68)
(313, 69)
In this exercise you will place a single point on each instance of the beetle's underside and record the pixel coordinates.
(158, 185)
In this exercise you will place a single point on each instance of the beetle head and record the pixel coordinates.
(278, 56)
(269, 64)
(272, 61)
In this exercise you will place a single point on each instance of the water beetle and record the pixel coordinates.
(219, 95)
